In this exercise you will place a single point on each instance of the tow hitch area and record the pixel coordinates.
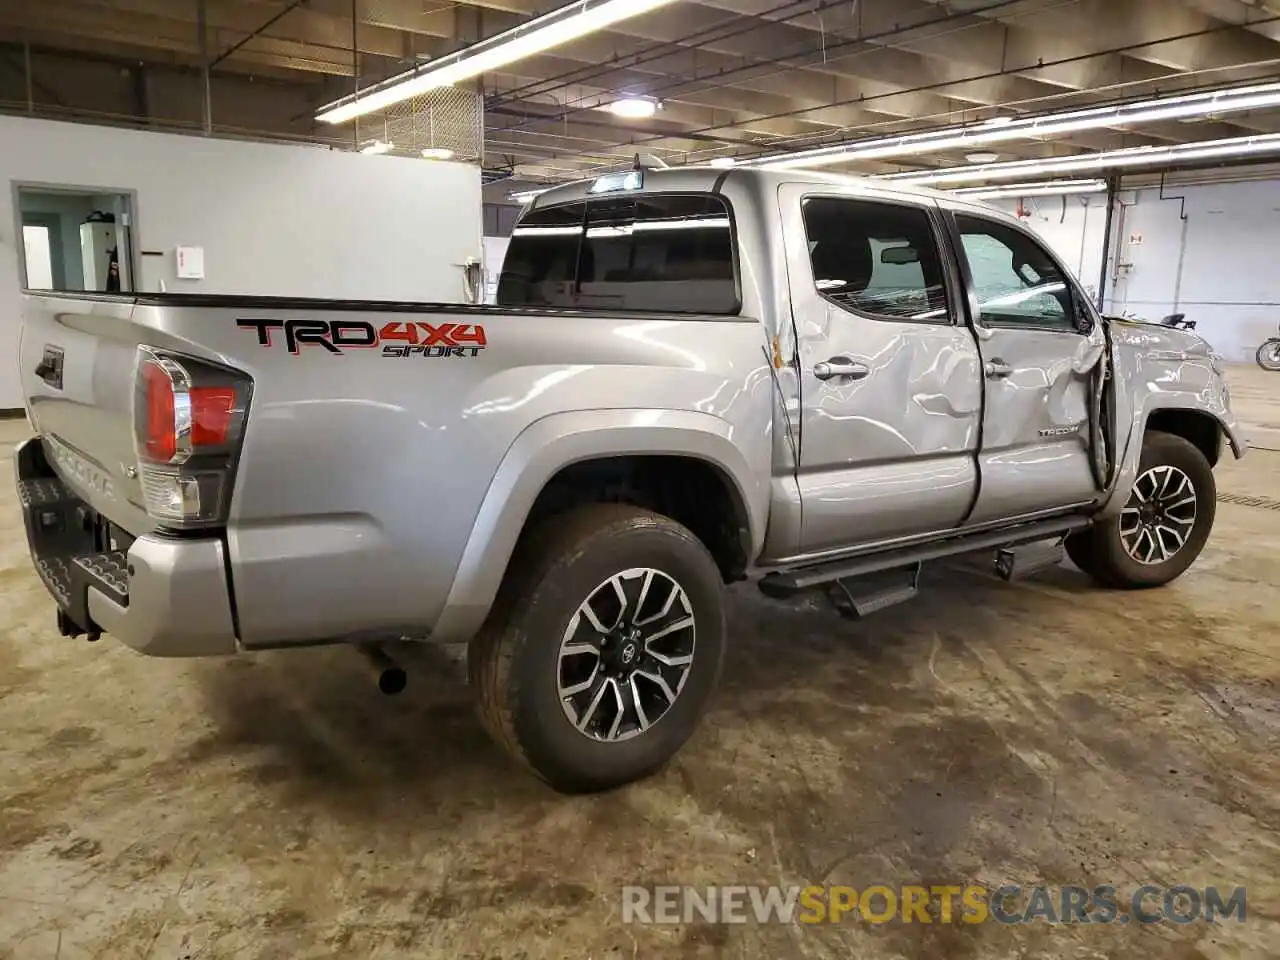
(71, 545)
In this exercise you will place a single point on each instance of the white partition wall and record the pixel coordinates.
(1207, 250)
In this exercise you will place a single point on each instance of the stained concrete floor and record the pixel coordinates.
(276, 806)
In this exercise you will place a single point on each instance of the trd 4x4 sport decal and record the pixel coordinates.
(395, 339)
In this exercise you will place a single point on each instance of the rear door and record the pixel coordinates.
(1039, 347)
(889, 374)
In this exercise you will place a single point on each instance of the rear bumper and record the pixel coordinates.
(164, 597)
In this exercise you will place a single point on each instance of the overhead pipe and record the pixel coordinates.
(1113, 188)
(721, 77)
(943, 84)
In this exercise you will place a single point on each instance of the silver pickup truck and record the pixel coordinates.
(692, 376)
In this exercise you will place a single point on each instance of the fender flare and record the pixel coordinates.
(556, 441)
(1128, 471)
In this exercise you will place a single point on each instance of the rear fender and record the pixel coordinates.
(560, 440)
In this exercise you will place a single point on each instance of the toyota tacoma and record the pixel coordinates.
(690, 377)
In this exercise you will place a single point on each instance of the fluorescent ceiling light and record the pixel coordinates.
(1004, 129)
(1268, 143)
(633, 108)
(539, 35)
(982, 156)
(724, 162)
(1048, 188)
(437, 153)
(377, 146)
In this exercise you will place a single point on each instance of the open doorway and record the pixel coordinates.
(76, 238)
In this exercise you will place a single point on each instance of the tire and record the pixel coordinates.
(518, 673)
(1268, 355)
(1105, 553)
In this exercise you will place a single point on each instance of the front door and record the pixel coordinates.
(889, 375)
(1040, 349)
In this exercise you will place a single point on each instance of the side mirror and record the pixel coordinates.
(1083, 322)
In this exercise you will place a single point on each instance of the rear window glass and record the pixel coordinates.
(662, 253)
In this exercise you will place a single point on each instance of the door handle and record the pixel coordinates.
(842, 368)
(49, 369)
(997, 369)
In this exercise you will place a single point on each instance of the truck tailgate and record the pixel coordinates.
(76, 360)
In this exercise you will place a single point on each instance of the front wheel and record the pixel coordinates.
(603, 648)
(1164, 524)
(1269, 354)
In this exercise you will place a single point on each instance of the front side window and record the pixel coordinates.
(1016, 280)
(652, 252)
(878, 259)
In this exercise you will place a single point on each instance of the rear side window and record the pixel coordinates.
(877, 259)
(663, 253)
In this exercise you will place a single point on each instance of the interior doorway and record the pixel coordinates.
(76, 238)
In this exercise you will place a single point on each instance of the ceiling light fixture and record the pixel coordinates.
(1005, 129)
(1046, 188)
(633, 108)
(539, 35)
(437, 153)
(982, 156)
(724, 163)
(378, 146)
(1263, 144)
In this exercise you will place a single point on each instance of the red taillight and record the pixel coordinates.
(188, 420)
(211, 409)
(171, 401)
(159, 433)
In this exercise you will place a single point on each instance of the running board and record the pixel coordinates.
(860, 598)
(785, 583)
(1014, 563)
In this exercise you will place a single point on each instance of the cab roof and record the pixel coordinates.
(707, 179)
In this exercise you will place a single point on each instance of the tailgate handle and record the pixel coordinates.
(49, 369)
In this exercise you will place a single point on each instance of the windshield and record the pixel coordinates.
(667, 253)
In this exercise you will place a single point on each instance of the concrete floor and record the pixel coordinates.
(277, 806)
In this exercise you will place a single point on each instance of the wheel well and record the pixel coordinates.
(690, 491)
(1200, 429)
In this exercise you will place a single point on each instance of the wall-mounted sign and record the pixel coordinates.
(190, 261)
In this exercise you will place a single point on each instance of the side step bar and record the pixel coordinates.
(860, 598)
(785, 583)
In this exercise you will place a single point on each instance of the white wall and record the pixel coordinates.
(272, 219)
(1229, 248)
(1220, 266)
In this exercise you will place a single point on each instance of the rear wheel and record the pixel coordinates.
(1164, 524)
(603, 649)
(1269, 354)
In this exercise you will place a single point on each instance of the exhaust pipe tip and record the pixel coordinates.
(392, 681)
(389, 675)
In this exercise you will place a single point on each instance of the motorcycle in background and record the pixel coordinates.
(1268, 355)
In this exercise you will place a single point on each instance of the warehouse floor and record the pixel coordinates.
(277, 806)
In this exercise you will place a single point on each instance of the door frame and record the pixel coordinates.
(133, 249)
(949, 208)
